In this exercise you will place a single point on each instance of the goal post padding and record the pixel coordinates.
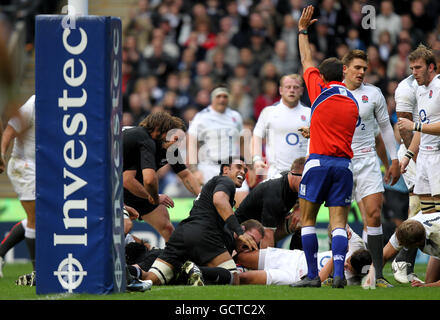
(79, 220)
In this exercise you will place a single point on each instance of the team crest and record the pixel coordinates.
(303, 117)
(364, 99)
(430, 94)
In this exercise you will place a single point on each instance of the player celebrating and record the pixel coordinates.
(327, 175)
(367, 183)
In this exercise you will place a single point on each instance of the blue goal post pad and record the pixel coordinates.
(79, 220)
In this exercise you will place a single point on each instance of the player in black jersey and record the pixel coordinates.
(147, 148)
(208, 236)
(141, 256)
(270, 203)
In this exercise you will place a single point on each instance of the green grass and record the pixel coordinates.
(10, 291)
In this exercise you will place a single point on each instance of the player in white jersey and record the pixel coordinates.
(21, 166)
(214, 135)
(367, 178)
(421, 231)
(406, 107)
(279, 125)
(425, 144)
(276, 266)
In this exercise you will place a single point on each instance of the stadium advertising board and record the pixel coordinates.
(79, 224)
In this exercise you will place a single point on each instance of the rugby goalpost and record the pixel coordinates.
(79, 220)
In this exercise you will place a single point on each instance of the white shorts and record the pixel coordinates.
(428, 173)
(367, 177)
(410, 175)
(282, 266)
(21, 173)
(210, 170)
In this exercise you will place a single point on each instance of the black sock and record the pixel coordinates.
(30, 242)
(216, 275)
(375, 246)
(15, 235)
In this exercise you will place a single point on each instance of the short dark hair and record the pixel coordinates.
(253, 224)
(424, 53)
(359, 259)
(332, 69)
(354, 54)
(228, 164)
(298, 165)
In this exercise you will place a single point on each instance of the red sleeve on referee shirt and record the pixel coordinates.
(314, 83)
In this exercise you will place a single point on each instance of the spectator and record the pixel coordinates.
(415, 34)
(138, 108)
(268, 97)
(355, 17)
(221, 71)
(284, 62)
(188, 61)
(214, 12)
(255, 24)
(387, 20)
(403, 50)
(376, 71)
(234, 19)
(331, 14)
(420, 18)
(231, 53)
(247, 59)
(260, 48)
(241, 72)
(353, 40)
(323, 40)
(385, 46)
(295, 8)
(240, 100)
(289, 34)
(268, 72)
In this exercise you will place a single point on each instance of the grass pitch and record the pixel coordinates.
(10, 291)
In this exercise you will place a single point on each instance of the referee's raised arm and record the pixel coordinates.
(305, 51)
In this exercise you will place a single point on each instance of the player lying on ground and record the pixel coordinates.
(421, 231)
(141, 256)
(283, 267)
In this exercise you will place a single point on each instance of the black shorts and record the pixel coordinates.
(142, 206)
(195, 243)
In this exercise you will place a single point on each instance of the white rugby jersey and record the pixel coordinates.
(428, 106)
(372, 108)
(219, 133)
(279, 124)
(431, 223)
(405, 97)
(24, 144)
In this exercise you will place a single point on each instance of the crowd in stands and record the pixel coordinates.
(176, 51)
